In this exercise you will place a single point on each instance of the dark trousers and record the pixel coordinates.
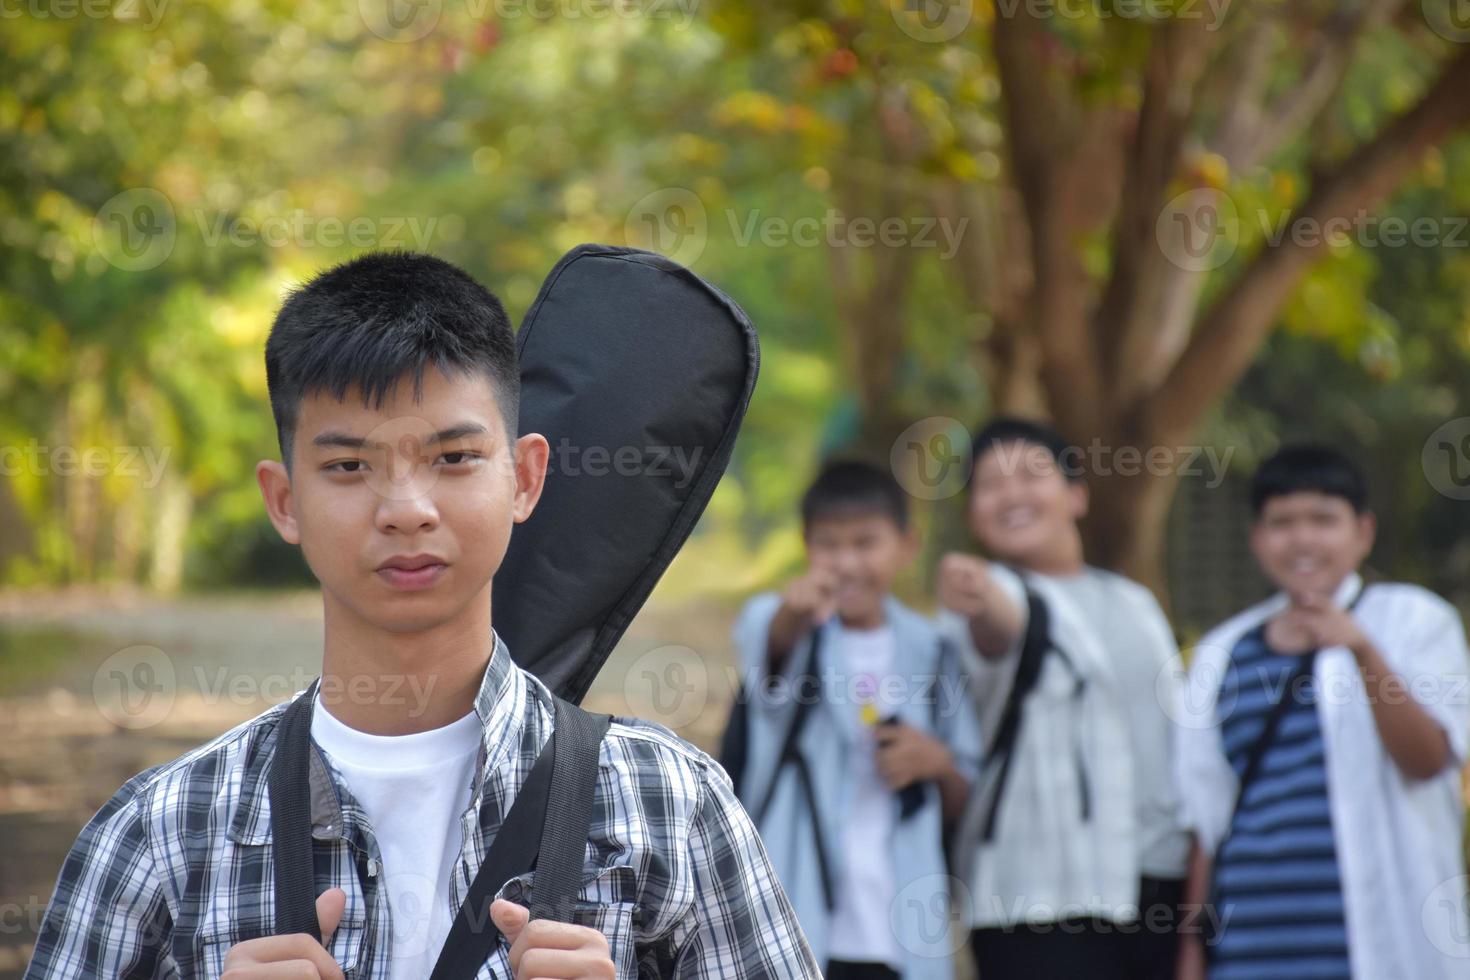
(1086, 948)
(847, 970)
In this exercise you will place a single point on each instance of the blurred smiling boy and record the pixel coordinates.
(861, 737)
(1320, 760)
(1073, 845)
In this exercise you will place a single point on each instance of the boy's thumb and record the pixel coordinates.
(330, 905)
(509, 918)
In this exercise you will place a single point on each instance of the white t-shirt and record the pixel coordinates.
(860, 929)
(413, 789)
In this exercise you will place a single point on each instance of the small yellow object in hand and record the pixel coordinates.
(870, 714)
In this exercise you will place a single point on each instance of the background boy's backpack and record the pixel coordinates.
(627, 352)
(735, 750)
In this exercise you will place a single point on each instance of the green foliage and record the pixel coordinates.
(269, 128)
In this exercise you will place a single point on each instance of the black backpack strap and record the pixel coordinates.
(735, 740)
(473, 936)
(1258, 748)
(290, 795)
(791, 756)
(1034, 647)
(577, 738)
(790, 751)
(546, 829)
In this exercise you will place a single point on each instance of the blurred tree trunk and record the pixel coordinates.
(871, 283)
(1132, 358)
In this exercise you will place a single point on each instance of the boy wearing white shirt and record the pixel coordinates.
(854, 817)
(395, 387)
(1324, 730)
(1073, 847)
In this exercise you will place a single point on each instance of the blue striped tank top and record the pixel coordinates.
(1279, 892)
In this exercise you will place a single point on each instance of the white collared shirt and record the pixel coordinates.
(1398, 839)
(1109, 741)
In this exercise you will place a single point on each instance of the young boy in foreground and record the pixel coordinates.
(395, 389)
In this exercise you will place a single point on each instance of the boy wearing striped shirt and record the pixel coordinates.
(1322, 738)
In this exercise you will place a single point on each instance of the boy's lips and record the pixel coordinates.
(410, 573)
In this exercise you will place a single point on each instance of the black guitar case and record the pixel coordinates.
(638, 372)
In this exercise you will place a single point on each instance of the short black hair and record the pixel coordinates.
(1004, 429)
(1309, 467)
(846, 487)
(372, 320)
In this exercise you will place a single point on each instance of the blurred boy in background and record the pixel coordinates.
(861, 738)
(1075, 826)
(1319, 761)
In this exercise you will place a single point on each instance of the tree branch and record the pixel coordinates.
(1175, 64)
(1236, 325)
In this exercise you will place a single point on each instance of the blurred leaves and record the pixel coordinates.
(269, 128)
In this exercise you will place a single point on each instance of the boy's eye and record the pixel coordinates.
(347, 466)
(459, 457)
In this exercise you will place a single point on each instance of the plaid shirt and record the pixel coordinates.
(177, 867)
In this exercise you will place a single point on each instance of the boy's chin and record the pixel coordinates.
(860, 611)
(1325, 582)
(1023, 549)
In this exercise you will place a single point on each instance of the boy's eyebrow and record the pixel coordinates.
(346, 441)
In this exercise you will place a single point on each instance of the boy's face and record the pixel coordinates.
(1308, 542)
(404, 511)
(864, 551)
(1021, 504)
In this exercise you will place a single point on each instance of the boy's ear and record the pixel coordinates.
(532, 454)
(1080, 498)
(911, 542)
(275, 488)
(1367, 532)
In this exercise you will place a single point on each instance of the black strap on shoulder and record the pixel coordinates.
(1034, 647)
(290, 795)
(545, 830)
(791, 756)
(568, 811)
(515, 850)
(1267, 737)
